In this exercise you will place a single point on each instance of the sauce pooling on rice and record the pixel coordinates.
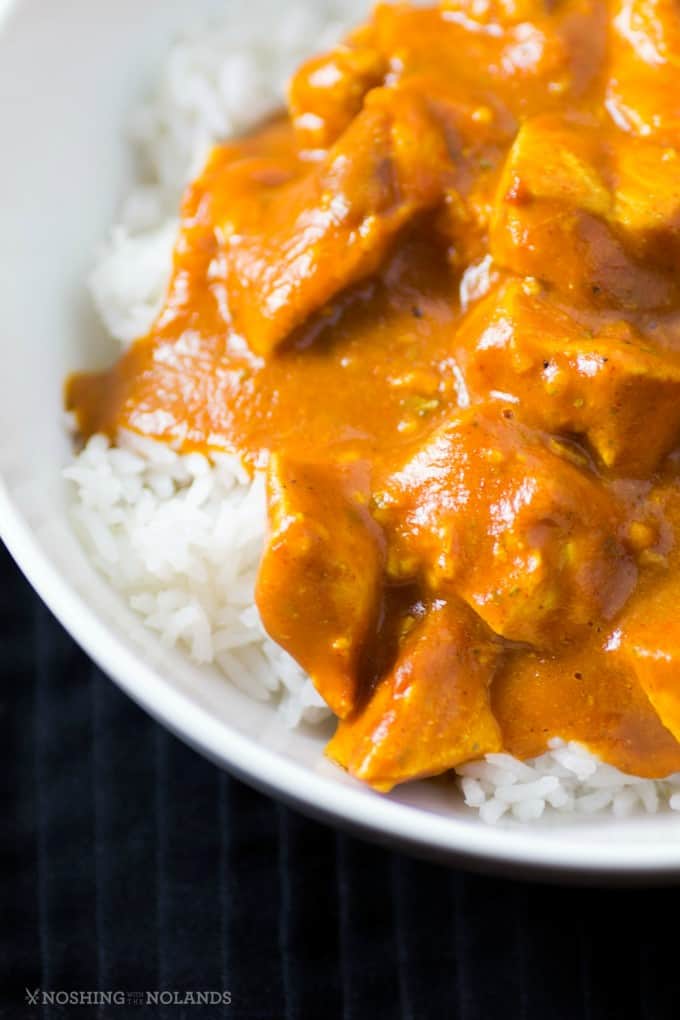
(438, 299)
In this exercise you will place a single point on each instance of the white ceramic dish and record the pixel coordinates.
(69, 72)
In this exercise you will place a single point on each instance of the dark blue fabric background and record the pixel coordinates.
(127, 862)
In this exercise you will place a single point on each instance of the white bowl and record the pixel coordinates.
(69, 73)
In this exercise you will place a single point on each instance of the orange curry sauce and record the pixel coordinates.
(439, 299)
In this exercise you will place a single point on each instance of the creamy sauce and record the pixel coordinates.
(439, 299)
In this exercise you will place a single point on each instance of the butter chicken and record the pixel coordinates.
(438, 299)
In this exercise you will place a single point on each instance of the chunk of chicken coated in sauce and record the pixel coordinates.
(646, 639)
(578, 207)
(532, 57)
(593, 697)
(532, 543)
(288, 252)
(319, 587)
(328, 91)
(643, 91)
(431, 711)
(566, 371)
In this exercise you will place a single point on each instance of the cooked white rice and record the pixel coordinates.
(180, 537)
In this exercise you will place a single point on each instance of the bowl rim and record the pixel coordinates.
(467, 842)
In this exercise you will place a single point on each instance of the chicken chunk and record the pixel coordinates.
(320, 581)
(327, 92)
(290, 250)
(567, 373)
(652, 647)
(431, 712)
(589, 695)
(488, 512)
(643, 92)
(534, 54)
(647, 201)
(558, 218)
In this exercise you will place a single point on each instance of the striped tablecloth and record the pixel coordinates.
(135, 873)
